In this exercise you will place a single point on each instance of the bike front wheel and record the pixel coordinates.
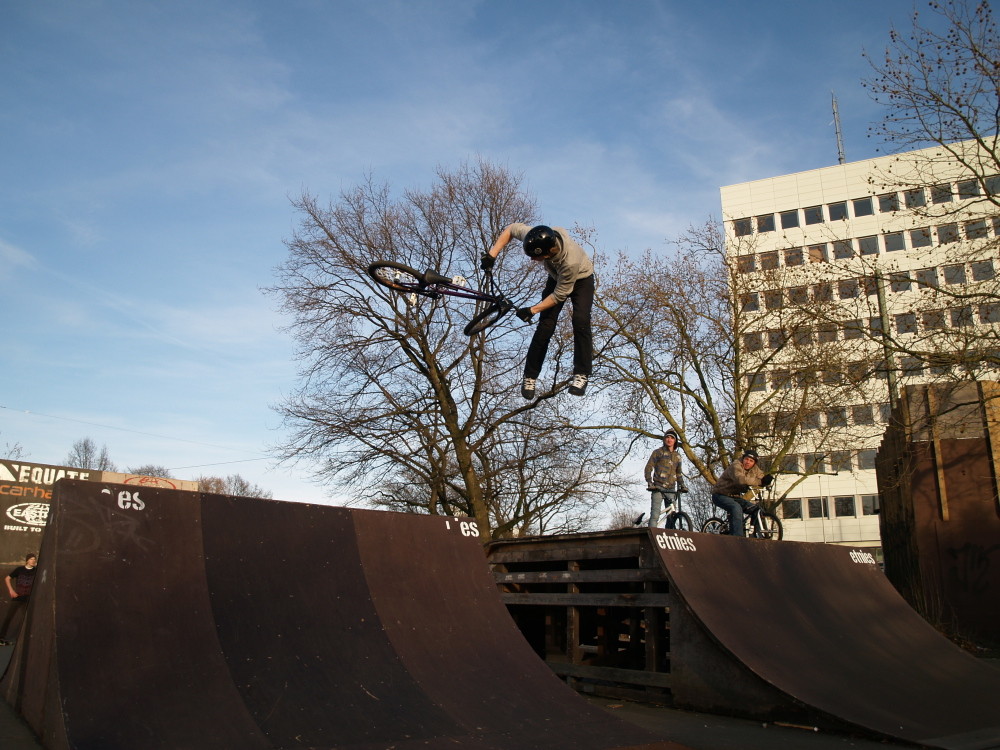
(399, 277)
(486, 318)
(680, 521)
(770, 527)
(715, 526)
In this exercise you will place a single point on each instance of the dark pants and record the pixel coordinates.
(582, 298)
(15, 615)
(734, 507)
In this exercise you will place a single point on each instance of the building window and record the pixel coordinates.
(933, 319)
(817, 507)
(982, 270)
(911, 366)
(875, 326)
(789, 219)
(838, 211)
(915, 198)
(746, 263)
(920, 237)
(823, 292)
(791, 508)
(780, 380)
(894, 241)
(776, 338)
(863, 207)
(992, 185)
(866, 459)
(954, 274)
(817, 253)
(989, 312)
(941, 193)
(853, 329)
(900, 281)
(848, 288)
(813, 215)
(765, 223)
(758, 424)
(868, 245)
(773, 299)
(843, 506)
(840, 460)
(906, 323)
(857, 372)
(968, 189)
(885, 412)
(742, 227)
(756, 381)
(753, 342)
(798, 295)
(769, 261)
(826, 333)
(789, 464)
(810, 421)
(802, 336)
(870, 285)
(750, 302)
(926, 278)
(975, 230)
(863, 414)
(843, 249)
(888, 203)
(793, 256)
(947, 233)
(961, 316)
(869, 503)
(836, 417)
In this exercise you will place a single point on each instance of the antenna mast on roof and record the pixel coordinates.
(836, 125)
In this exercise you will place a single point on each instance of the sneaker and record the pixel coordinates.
(528, 388)
(578, 385)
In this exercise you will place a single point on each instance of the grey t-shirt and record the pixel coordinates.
(567, 266)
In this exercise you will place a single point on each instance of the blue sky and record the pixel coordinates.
(149, 151)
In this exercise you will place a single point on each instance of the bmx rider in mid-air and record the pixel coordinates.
(571, 276)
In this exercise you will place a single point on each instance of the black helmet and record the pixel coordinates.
(541, 241)
(672, 434)
(750, 453)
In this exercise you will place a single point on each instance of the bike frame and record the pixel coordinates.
(433, 285)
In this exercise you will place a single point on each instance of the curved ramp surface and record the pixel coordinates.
(169, 619)
(823, 625)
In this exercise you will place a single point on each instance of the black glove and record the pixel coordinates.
(524, 313)
(743, 489)
(766, 480)
(681, 488)
(487, 261)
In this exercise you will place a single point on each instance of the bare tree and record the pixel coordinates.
(394, 402)
(695, 343)
(234, 485)
(150, 470)
(14, 451)
(85, 455)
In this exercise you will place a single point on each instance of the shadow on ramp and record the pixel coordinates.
(169, 619)
(822, 625)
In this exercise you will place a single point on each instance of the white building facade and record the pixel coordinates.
(891, 242)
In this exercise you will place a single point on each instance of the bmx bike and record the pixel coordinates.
(673, 516)
(757, 522)
(431, 284)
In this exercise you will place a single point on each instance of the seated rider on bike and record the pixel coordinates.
(663, 474)
(737, 479)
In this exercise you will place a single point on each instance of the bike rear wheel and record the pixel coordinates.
(680, 521)
(770, 527)
(715, 526)
(399, 278)
(486, 318)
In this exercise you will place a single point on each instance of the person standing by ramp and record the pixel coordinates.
(19, 583)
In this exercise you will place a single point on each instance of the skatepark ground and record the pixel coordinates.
(696, 730)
